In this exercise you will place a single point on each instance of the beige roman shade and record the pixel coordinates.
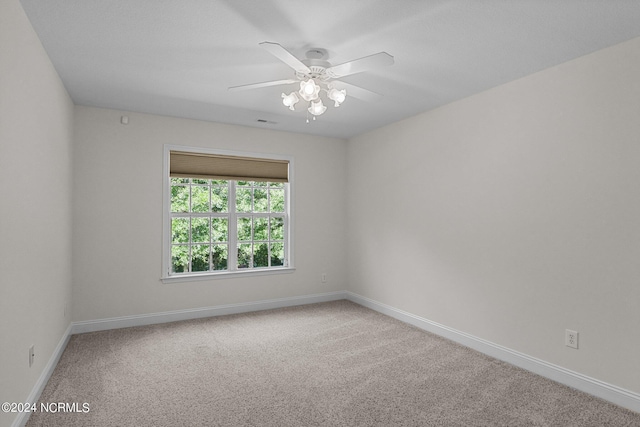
(215, 166)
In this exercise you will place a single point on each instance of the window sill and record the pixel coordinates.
(225, 275)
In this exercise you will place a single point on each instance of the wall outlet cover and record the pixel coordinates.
(571, 338)
(32, 355)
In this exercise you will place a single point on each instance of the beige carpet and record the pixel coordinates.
(329, 364)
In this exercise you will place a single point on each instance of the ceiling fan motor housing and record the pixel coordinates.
(318, 71)
(317, 62)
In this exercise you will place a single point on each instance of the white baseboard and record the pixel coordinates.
(611, 393)
(33, 397)
(619, 396)
(177, 315)
(164, 317)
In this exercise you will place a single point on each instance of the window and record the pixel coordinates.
(225, 213)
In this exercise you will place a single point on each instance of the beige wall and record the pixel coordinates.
(118, 214)
(35, 206)
(513, 215)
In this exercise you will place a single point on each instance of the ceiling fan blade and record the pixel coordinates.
(285, 56)
(357, 91)
(263, 84)
(376, 60)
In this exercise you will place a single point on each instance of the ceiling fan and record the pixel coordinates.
(315, 75)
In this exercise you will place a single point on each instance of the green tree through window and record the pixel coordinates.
(219, 225)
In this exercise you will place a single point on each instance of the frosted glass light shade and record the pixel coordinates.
(317, 108)
(338, 96)
(290, 100)
(309, 90)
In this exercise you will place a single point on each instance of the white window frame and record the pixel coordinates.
(166, 275)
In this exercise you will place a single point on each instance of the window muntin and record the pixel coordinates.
(227, 226)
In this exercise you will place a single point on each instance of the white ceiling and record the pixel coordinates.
(178, 57)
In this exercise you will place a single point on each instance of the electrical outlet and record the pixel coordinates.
(571, 338)
(32, 354)
(323, 277)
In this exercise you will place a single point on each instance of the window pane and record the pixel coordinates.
(277, 254)
(199, 198)
(200, 258)
(220, 257)
(260, 200)
(200, 230)
(277, 228)
(277, 200)
(244, 228)
(243, 200)
(200, 239)
(219, 229)
(180, 230)
(219, 199)
(261, 255)
(179, 259)
(179, 198)
(244, 255)
(260, 231)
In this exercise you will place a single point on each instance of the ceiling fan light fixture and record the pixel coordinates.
(315, 74)
(338, 96)
(290, 100)
(317, 108)
(309, 90)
